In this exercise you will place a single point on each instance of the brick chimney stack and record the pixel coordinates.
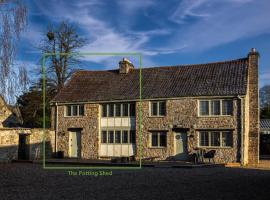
(125, 66)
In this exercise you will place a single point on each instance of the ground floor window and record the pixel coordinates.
(118, 136)
(158, 139)
(215, 138)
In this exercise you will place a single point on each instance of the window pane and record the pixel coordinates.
(117, 136)
(104, 110)
(118, 110)
(204, 108)
(163, 139)
(111, 137)
(227, 107)
(132, 136)
(111, 110)
(81, 110)
(104, 137)
(154, 108)
(162, 108)
(227, 139)
(68, 110)
(125, 109)
(75, 110)
(154, 139)
(215, 138)
(204, 139)
(215, 107)
(124, 137)
(132, 109)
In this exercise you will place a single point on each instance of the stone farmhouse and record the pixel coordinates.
(99, 114)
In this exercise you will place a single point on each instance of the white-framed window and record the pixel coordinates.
(215, 139)
(118, 109)
(74, 110)
(215, 107)
(118, 136)
(158, 139)
(158, 108)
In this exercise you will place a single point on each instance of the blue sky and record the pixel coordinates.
(165, 32)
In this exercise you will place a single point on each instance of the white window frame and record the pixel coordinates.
(158, 135)
(78, 110)
(158, 102)
(114, 110)
(114, 131)
(210, 107)
(210, 138)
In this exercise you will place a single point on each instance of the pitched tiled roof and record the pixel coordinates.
(265, 123)
(212, 79)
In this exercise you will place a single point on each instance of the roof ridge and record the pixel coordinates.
(172, 66)
(203, 64)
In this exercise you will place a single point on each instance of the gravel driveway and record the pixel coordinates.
(30, 181)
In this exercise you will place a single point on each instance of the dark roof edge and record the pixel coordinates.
(149, 99)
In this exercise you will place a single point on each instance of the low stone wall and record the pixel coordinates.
(9, 143)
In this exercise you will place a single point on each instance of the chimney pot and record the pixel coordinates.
(125, 66)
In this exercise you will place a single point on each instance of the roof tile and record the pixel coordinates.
(212, 79)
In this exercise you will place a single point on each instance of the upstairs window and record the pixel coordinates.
(215, 107)
(204, 108)
(118, 110)
(227, 107)
(75, 110)
(158, 108)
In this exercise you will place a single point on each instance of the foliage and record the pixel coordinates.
(265, 101)
(31, 106)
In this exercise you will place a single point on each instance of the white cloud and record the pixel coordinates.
(131, 7)
(226, 21)
(187, 8)
(105, 37)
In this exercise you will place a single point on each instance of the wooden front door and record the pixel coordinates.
(23, 151)
(75, 144)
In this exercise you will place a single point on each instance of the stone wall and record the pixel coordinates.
(183, 113)
(9, 143)
(253, 92)
(89, 125)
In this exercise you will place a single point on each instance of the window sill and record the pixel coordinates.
(157, 147)
(157, 116)
(212, 116)
(204, 147)
(117, 143)
(118, 117)
(75, 116)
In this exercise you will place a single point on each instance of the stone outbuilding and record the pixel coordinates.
(18, 143)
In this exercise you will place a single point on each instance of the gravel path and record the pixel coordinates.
(30, 181)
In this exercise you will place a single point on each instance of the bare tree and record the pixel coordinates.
(13, 20)
(62, 43)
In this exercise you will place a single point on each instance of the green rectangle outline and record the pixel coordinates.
(46, 55)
